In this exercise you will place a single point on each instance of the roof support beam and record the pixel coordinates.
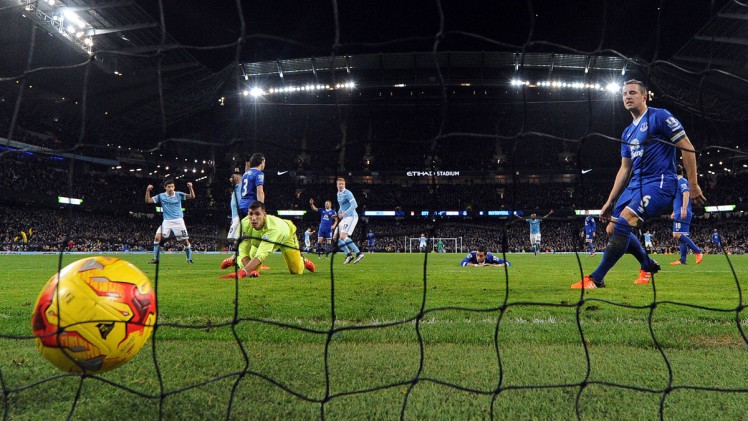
(706, 60)
(724, 40)
(101, 5)
(133, 27)
(738, 16)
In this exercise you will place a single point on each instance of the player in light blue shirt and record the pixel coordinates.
(422, 243)
(253, 183)
(648, 154)
(681, 216)
(534, 222)
(308, 239)
(648, 244)
(173, 224)
(589, 232)
(235, 228)
(482, 258)
(348, 219)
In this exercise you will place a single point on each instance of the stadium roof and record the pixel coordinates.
(127, 39)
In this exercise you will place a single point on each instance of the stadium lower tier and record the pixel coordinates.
(52, 229)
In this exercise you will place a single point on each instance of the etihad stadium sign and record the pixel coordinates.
(433, 173)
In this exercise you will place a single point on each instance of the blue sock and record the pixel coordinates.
(327, 249)
(351, 245)
(690, 244)
(616, 248)
(343, 247)
(635, 248)
(683, 250)
(156, 247)
(591, 247)
(188, 251)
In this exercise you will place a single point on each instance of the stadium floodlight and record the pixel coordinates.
(612, 87)
(291, 212)
(245, 92)
(69, 200)
(256, 92)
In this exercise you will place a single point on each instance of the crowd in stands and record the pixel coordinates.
(75, 230)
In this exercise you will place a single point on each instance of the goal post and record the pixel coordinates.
(451, 245)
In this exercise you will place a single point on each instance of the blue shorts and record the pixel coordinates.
(657, 197)
(325, 232)
(682, 225)
(589, 236)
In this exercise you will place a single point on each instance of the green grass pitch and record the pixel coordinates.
(434, 349)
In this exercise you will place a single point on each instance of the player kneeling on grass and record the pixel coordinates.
(482, 258)
(265, 234)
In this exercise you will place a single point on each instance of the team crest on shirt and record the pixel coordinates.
(643, 127)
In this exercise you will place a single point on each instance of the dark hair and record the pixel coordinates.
(257, 205)
(168, 181)
(481, 249)
(679, 169)
(256, 159)
(642, 86)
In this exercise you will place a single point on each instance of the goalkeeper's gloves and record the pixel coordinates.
(243, 274)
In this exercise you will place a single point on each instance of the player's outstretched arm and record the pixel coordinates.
(192, 191)
(148, 198)
(311, 203)
(548, 214)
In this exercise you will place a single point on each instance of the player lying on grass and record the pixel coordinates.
(482, 258)
(264, 235)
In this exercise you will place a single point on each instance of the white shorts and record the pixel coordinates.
(647, 244)
(234, 230)
(308, 243)
(347, 225)
(535, 238)
(173, 227)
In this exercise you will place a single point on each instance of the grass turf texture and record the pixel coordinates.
(539, 343)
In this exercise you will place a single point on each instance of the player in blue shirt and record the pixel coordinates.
(648, 162)
(253, 181)
(589, 232)
(481, 258)
(370, 237)
(534, 222)
(681, 217)
(716, 239)
(348, 219)
(173, 224)
(328, 221)
(422, 243)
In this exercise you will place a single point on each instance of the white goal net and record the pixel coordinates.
(449, 245)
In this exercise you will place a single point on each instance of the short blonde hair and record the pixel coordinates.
(340, 179)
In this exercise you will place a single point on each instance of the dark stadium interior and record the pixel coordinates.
(147, 104)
